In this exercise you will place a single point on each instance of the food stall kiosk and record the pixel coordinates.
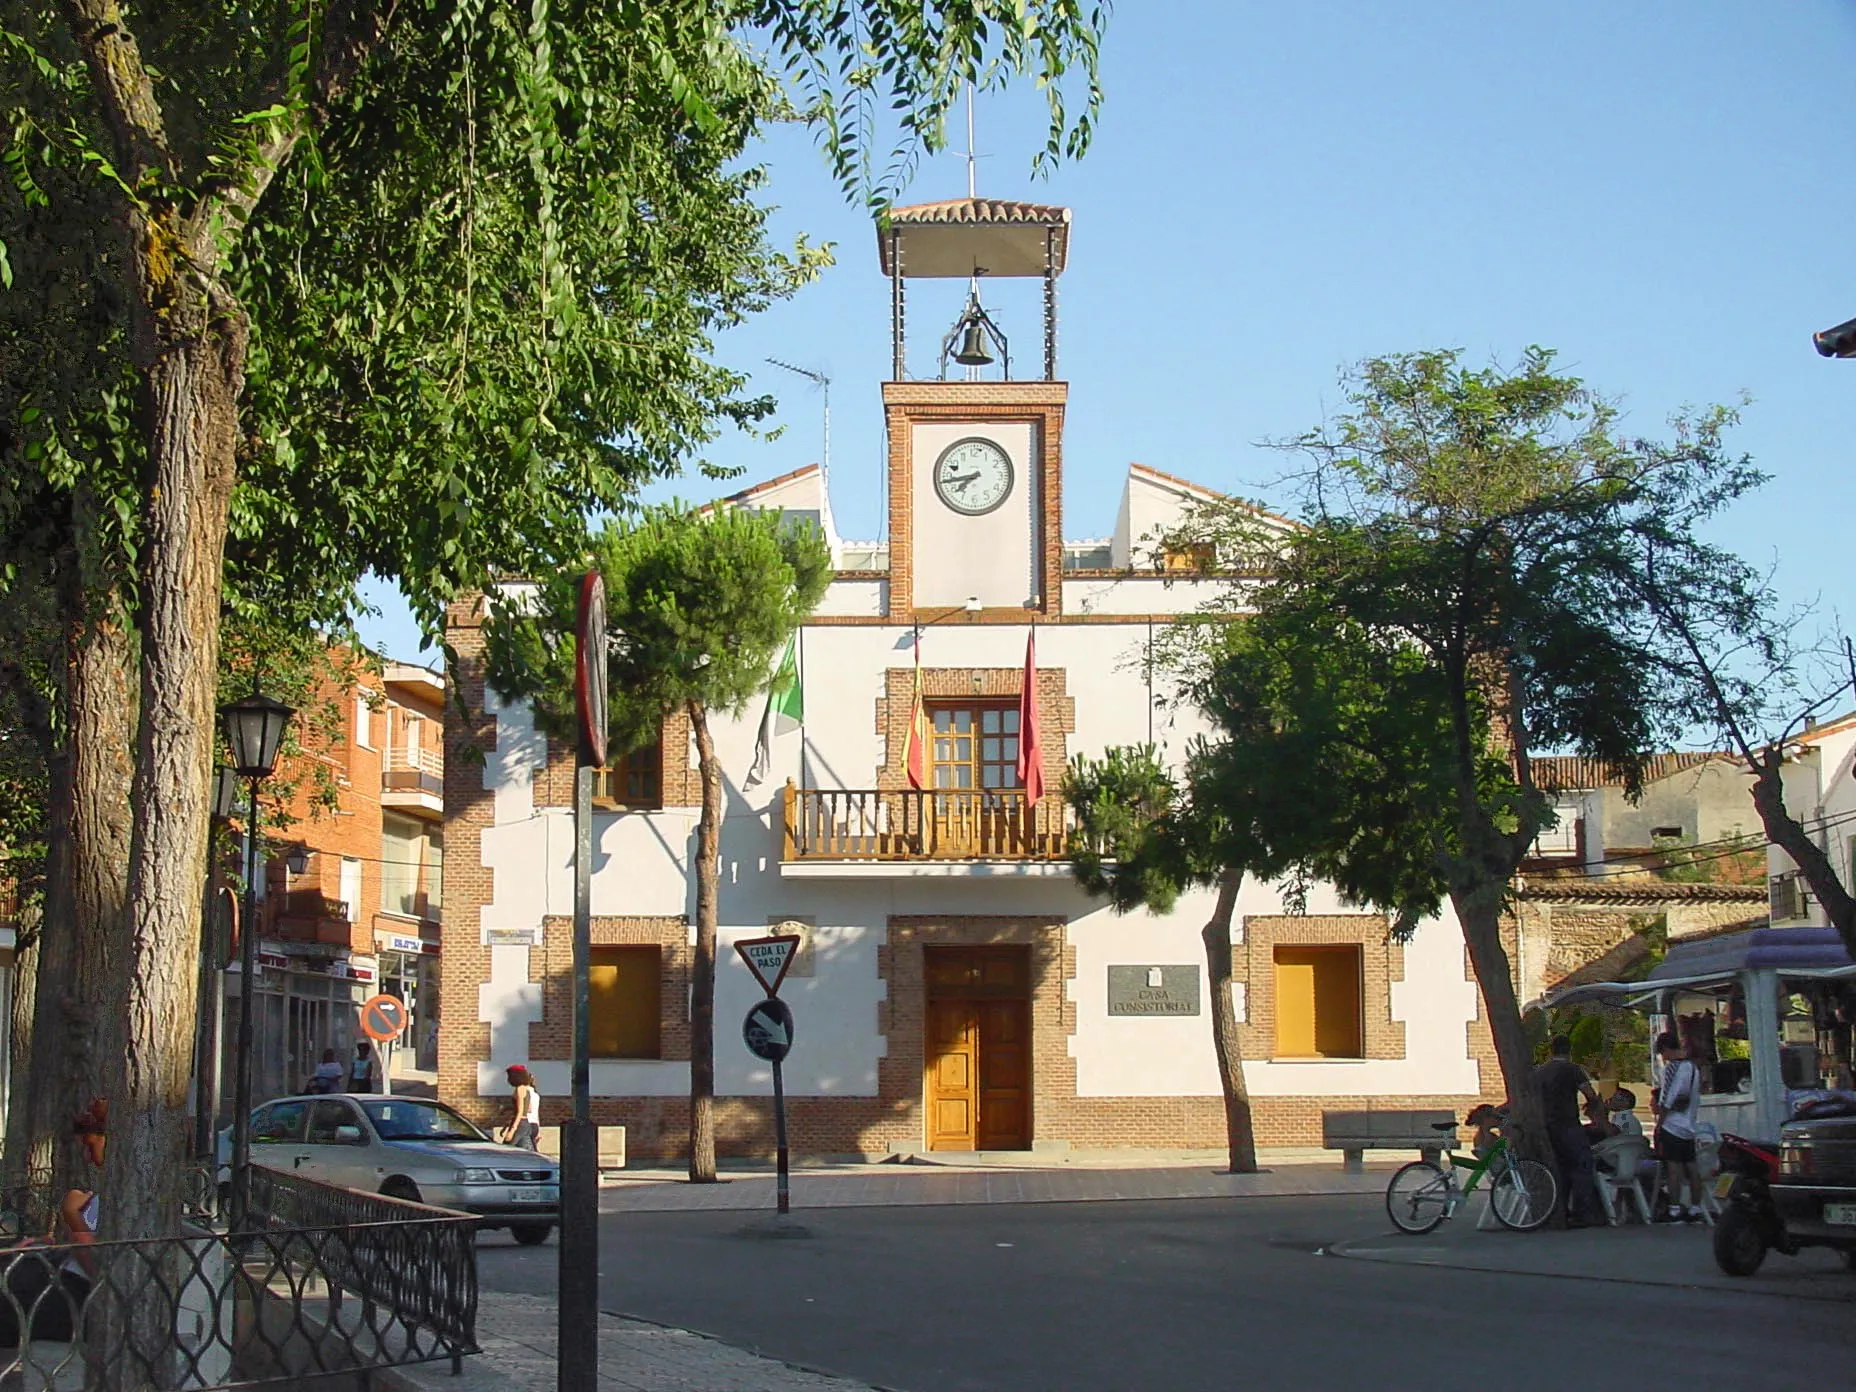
(1766, 1014)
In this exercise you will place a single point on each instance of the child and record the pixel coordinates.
(1487, 1120)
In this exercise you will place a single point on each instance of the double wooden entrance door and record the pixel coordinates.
(978, 1055)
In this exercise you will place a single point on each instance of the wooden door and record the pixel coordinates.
(953, 1074)
(1005, 1075)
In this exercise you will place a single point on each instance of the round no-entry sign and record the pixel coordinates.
(768, 1029)
(383, 1018)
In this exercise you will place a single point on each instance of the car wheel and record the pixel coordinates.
(399, 1187)
(530, 1234)
(1739, 1245)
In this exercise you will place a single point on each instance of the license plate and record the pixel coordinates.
(1842, 1214)
(1724, 1185)
(533, 1196)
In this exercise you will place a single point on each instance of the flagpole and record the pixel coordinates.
(799, 675)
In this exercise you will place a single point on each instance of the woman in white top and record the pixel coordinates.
(41, 1289)
(524, 1127)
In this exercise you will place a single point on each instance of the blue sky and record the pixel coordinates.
(1663, 192)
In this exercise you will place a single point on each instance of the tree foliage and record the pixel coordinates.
(1462, 599)
(699, 604)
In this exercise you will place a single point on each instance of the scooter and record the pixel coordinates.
(1749, 1225)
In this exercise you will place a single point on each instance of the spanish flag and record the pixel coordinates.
(915, 757)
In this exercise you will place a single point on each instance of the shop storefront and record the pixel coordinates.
(409, 970)
(306, 1001)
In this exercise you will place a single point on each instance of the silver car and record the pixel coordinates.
(407, 1148)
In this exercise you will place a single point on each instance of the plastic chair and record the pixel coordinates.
(1614, 1168)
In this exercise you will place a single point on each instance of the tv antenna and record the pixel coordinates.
(823, 383)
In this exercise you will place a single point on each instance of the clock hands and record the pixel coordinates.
(960, 481)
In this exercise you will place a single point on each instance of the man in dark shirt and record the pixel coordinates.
(1561, 1081)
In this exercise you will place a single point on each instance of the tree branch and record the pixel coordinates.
(350, 34)
(125, 93)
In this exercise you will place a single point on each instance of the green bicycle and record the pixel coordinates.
(1522, 1192)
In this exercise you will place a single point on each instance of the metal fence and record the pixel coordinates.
(329, 1281)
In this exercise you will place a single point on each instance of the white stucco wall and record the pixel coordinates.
(641, 868)
(956, 556)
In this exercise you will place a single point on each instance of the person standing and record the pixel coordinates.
(1677, 1104)
(1561, 1082)
(524, 1128)
(363, 1069)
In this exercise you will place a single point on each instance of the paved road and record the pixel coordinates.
(1183, 1295)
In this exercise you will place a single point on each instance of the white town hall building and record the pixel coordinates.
(955, 990)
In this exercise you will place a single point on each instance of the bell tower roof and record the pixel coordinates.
(961, 237)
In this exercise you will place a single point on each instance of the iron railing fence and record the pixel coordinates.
(29, 1203)
(327, 1281)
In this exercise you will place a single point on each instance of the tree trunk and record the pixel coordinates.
(101, 690)
(1479, 909)
(1788, 834)
(1240, 1134)
(702, 983)
(192, 389)
(33, 1126)
(15, 1150)
(45, 1121)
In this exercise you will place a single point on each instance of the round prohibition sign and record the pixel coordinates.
(383, 1018)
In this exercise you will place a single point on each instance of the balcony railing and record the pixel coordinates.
(418, 770)
(910, 824)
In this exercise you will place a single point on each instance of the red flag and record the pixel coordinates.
(915, 758)
(1030, 746)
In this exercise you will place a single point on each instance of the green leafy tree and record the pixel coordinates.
(391, 286)
(1474, 529)
(1282, 788)
(700, 605)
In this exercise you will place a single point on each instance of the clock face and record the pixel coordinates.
(973, 476)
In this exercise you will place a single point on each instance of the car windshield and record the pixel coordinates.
(407, 1119)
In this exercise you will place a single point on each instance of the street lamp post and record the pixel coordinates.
(212, 992)
(254, 729)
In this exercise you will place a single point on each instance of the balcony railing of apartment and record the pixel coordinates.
(413, 771)
(911, 824)
(306, 916)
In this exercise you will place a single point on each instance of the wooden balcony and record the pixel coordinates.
(846, 824)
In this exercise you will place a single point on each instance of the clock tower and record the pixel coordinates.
(975, 451)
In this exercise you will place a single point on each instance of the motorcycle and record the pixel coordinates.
(1749, 1225)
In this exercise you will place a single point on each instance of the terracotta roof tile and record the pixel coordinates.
(1568, 773)
(950, 210)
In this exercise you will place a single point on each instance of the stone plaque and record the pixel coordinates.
(1153, 990)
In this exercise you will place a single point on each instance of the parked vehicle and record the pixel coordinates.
(406, 1148)
(1749, 1224)
(1800, 1193)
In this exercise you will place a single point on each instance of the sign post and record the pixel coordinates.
(768, 1034)
(578, 1284)
(384, 1019)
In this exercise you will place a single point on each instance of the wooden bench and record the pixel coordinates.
(1355, 1133)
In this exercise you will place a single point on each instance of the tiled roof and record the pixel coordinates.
(976, 236)
(1567, 773)
(999, 210)
(1636, 889)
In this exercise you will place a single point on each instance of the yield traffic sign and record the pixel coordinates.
(769, 959)
(768, 1030)
(383, 1018)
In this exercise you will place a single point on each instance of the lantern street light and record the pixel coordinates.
(254, 729)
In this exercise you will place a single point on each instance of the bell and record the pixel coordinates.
(972, 351)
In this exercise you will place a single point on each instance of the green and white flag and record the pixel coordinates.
(786, 710)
